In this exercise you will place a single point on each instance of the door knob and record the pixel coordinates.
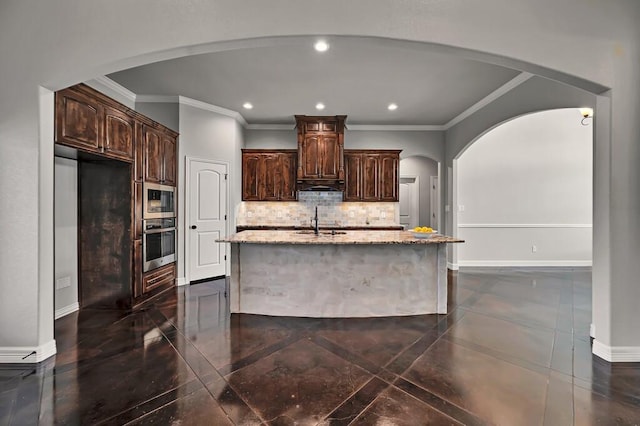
(194, 227)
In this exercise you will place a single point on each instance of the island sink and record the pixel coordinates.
(327, 232)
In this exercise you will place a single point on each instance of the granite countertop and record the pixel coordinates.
(336, 227)
(341, 237)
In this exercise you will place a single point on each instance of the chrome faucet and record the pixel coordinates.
(315, 226)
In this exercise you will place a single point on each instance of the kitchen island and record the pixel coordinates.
(338, 273)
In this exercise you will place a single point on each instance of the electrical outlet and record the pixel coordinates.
(352, 213)
(383, 215)
(249, 214)
(63, 282)
(461, 208)
(534, 248)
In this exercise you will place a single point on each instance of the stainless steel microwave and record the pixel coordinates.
(159, 201)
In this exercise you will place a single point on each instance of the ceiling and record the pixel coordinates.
(357, 76)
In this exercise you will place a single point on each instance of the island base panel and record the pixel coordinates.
(336, 281)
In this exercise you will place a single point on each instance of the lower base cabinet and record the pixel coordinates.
(162, 277)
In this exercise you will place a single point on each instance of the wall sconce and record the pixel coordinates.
(586, 113)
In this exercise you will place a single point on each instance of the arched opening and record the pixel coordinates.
(524, 193)
(420, 199)
(447, 194)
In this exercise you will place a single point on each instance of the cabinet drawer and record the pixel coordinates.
(160, 277)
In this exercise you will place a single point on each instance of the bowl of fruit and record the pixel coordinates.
(423, 232)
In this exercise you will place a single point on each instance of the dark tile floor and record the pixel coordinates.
(514, 350)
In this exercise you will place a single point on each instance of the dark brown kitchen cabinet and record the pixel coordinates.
(371, 175)
(119, 134)
(137, 268)
(388, 176)
(320, 149)
(117, 149)
(92, 125)
(268, 175)
(160, 156)
(162, 277)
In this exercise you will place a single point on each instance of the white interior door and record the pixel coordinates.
(409, 202)
(207, 219)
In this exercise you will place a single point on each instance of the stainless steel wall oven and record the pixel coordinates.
(158, 243)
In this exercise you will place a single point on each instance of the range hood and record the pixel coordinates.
(319, 187)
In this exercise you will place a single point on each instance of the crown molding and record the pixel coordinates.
(183, 100)
(214, 108)
(270, 126)
(116, 87)
(397, 127)
(508, 86)
(157, 99)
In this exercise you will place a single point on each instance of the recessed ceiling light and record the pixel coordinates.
(247, 105)
(321, 46)
(392, 107)
(320, 106)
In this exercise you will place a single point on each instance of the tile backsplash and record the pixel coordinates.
(332, 211)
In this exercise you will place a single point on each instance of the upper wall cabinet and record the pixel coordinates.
(371, 175)
(91, 125)
(160, 156)
(268, 175)
(320, 149)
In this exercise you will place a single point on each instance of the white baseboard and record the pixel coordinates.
(181, 281)
(592, 330)
(616, 353)
(524, 263)
(17, 354)
(453, 266)
(67, 310)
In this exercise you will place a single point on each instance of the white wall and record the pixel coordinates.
(528, 182)
(423, 168)
(165, 113)
(66, 233)
(209, 136)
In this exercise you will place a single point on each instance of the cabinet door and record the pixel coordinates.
(169, 161)
(309, 157)
(330, 157)
(137, 210)
(251, 168)
(370, 177)
(152, 141)
(389, 177)
(352, 177)
(272, 177)
(119, 134)
(137, 268)
(288, 165)
(329, 126)
(138, 168)
(79, 121)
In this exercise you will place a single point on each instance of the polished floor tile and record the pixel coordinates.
(513, 350)
(497, 391)
(517, 310)
(394, 407)
(300, 384)
(530, 344)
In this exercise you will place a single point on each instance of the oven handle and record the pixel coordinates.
(157, 231)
